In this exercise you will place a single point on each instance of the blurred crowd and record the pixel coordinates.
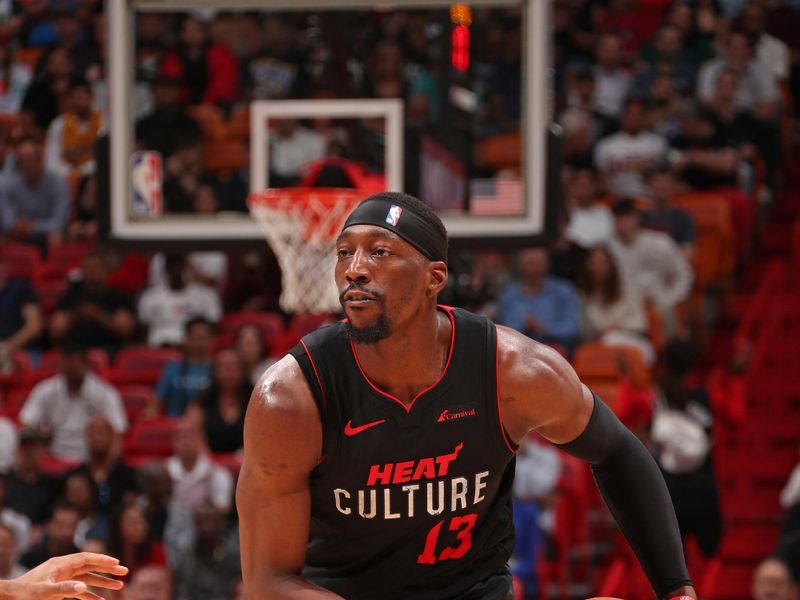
(674, 116)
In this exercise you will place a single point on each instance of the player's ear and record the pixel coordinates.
(437, 277)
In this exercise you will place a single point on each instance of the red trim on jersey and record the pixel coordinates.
(316, 374)
(497, 391)
(448, 310)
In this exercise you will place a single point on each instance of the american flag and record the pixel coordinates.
(490, 197)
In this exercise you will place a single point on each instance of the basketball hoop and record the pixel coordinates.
(301, 225)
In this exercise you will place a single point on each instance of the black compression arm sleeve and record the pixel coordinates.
(636, 495)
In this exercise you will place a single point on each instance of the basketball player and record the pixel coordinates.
(378, 455)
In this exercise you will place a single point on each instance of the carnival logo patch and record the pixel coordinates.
(455, 413)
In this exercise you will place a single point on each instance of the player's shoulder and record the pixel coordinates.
(282, 423)
(282, 389)
(523, 360)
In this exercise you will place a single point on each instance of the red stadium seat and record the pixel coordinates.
(58, 467)
(136, 358)
(230, 460)
(136, 398)
(304, 324)
(271, 325)
(141, 364)
(727, 582)
(597, 362)
(13, 401)
(21, 260)
(68, 256)
(151, 437)
(48, 364)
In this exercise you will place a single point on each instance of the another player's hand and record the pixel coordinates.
(68, 577)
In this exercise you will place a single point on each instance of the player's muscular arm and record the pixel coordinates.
(282, 444)
(539, 390)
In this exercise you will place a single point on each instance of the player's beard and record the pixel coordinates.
(377, 331)
(370, 334)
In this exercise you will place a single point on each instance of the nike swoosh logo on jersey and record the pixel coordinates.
(350, 430)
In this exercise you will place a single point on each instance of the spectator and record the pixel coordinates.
(698, 36)
(611, 79)
(165, 309)
(149, 583)
(168, 127)
(543, 307)
(292, 146)
(35, 200)
(663, 106)
(181, 381)
(58, 537)
(41, 102)
(17, 523)
(613, 313)
(8, 164)
(212, 567)
(196, 480)
(663, 215)
(273, 63)
(734, 125)
(169, 522)
(20, 317)
(90, 309)
(209, 71)
(65, 403)
(771, 52)
(384, 71)
(590, 223)
(757, 91)
(665, 54)
(131, 539)
(83, 223)
(537, 472)
(112, 479)
(81, 492)
(681, 435)
(738, 129)
(8, 444)
(206, 268)
(704, 159)
(221, 407)
(185, 178)
(254, 282)
(651, 263)
(477, 278)
(772, 580)
(9, 567)
(71, 136)
(252, 351)
(578, 135)
(30, 491)
(623, 157)
(789, 543)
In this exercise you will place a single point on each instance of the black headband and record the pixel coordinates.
(410, 225)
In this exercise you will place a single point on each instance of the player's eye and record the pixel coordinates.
(381, 252)
(343, 252)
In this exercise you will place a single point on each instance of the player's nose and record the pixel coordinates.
(357, 267)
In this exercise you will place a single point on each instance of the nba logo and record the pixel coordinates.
(393, 216)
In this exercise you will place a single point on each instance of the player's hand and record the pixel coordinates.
(69, 577)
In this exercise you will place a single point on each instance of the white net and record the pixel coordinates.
(301, 225)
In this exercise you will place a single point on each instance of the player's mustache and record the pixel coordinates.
(360, 288)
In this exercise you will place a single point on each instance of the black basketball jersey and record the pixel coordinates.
(410, 502)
